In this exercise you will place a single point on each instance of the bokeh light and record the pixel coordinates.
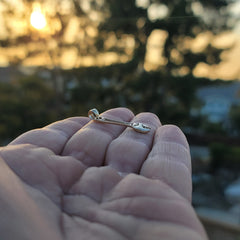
(37, 18)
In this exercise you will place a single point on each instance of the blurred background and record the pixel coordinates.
(178, 59)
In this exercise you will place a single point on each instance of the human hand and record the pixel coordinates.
(76, 179)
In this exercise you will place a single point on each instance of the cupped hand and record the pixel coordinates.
(79, 179)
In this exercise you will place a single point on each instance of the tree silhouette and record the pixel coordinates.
(167, 90)
(25, 104)
(111, 43)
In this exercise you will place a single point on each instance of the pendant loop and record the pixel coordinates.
(93, 114)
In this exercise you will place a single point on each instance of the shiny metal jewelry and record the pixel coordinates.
(138, 127)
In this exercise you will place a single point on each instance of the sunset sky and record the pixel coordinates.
(41, 21)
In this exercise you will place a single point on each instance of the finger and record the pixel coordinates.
(127, 152)
(89, 145)
(170, 160)
(53, 136)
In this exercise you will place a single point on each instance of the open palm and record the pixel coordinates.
(76, 179)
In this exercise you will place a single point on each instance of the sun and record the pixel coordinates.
(37, 18)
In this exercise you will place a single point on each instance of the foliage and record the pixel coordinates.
(115, 21)
(164, 91)
(224, 156)
(148, 91)
(25, 104)
(213, 128)
(106, 27)
(235, 118)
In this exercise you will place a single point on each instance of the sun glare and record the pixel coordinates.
(37, 18)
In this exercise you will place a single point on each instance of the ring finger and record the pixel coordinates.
(127, 152)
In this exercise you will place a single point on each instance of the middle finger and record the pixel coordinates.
(89, 144)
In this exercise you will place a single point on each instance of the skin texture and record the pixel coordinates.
(79, 179)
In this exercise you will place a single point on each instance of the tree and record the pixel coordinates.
(91, 28)
(116, 37)
(235, 118)
(169, 89)
(25, 104)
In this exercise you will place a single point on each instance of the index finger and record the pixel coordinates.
(53, 136)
